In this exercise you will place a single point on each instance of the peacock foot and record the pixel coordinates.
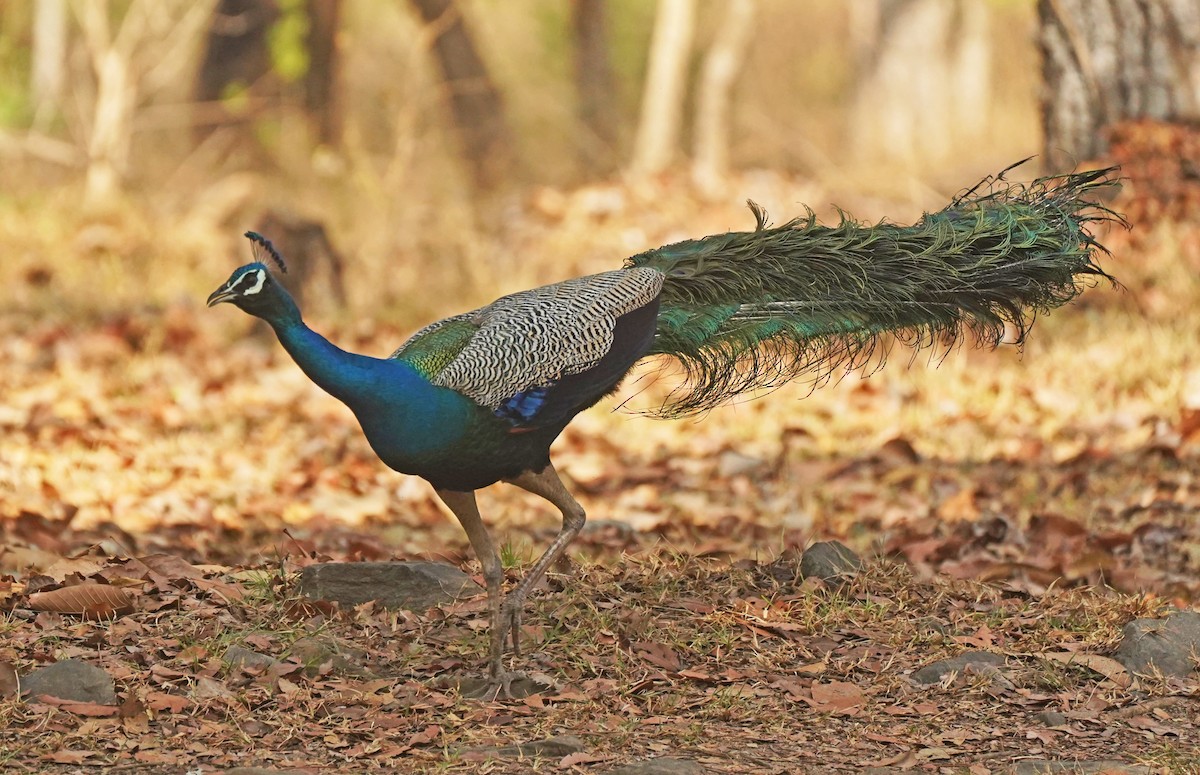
(506, 685)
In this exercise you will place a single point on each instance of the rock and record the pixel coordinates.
(1161, 645)
(976, 661)
(664, 765)
(831, 561)
(414, 586)
(551, 747)
(1050, 718)
(1048, 767)
(316, 651)
(240, 656)
(71, 679)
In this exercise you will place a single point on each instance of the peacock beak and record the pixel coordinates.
(220, 295)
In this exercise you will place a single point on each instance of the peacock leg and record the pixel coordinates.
(467, 510)
(546, 484)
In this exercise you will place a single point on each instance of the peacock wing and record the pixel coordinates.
(510, 355)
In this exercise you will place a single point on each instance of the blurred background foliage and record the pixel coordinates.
(439, 152)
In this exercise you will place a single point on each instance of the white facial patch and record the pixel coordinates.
(260, 280)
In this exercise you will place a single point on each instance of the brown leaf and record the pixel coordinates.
(424, 737)
(837, 696)
(1150, 725)
(231, 592)
(982, 639)
(79, 708)
(171, 566)
(959, 507)
(169, 702)
(658, 654)
(68, 757)
(84, 566)
(10, 682)
(90, 600)
(1105, 666)
(582, 757)
(132, 707)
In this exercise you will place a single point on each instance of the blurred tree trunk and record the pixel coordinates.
(474, 100)
(147, 51)
(236, 57)
(666, 86)
(320, 97)
(721, 66)
(595, 83)
(49, 58)
(1106, 62)
(924, 84)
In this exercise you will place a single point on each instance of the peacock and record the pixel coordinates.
(478, 398)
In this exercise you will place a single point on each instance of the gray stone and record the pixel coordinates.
(1169, 645)
(240, 656)
(1048, 767)
(551, 747)
(71, 679)
(977, 661)
(664, 765)
(831, 561)
(1050, 718)
(413, 586)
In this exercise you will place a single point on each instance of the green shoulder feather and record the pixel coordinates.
(432, 348)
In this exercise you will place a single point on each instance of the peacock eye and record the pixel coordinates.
(250, 283)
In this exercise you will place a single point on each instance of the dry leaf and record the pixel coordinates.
(836, 696)
(10, 682)
(1105, 666)
(90, 600)
(582, 757)
(171, 566)
(94, 709)
(169, 702)
(658, 654)
(84, 566)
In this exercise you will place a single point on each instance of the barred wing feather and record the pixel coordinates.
(531, 339)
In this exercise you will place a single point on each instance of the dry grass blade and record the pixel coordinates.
(92, 601)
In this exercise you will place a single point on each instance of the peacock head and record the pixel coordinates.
(249, 287)
(252, 288)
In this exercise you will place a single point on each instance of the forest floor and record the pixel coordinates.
(1025, 503)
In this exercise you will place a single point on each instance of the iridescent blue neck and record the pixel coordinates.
(406, 419)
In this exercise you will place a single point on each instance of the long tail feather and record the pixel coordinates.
(752, 310)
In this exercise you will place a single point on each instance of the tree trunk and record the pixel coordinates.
(666, 86)
(595, 83)
(721, 67)
(1107, 61)
(49, 58)
(320, 94)
(923, 91)
(474, 100)
(235, 58)
(147, 51)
